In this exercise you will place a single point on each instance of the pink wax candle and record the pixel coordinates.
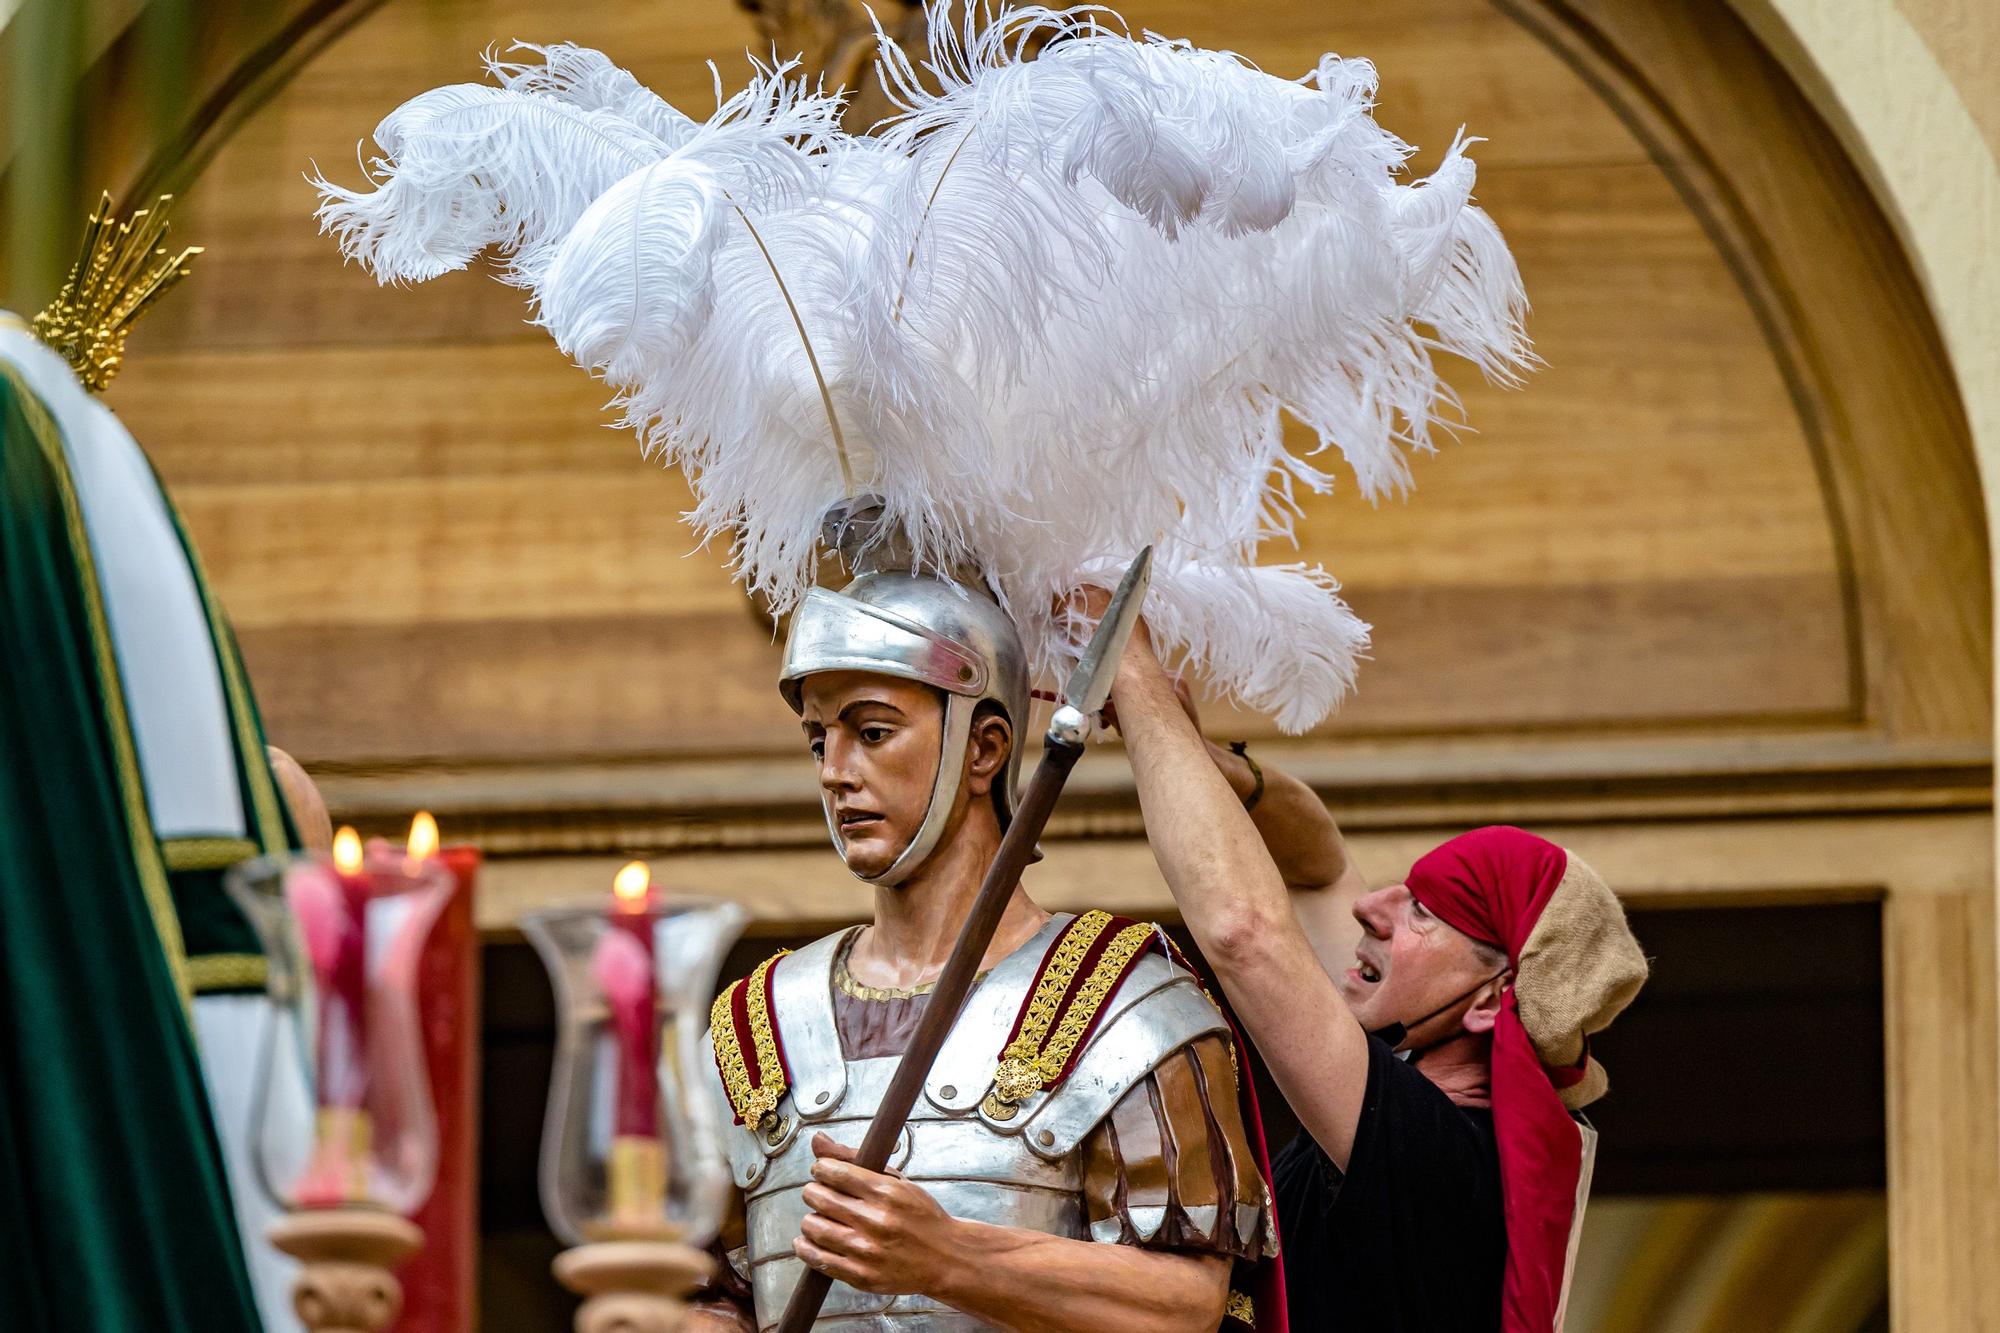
(624, 967)
(330, 906)
(331, 909)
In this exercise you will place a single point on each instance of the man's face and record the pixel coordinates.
(1408, 962)
(876, 740)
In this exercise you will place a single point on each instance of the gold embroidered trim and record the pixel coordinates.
(1036, 1057)
(753, 1100)
(1055, 981)
(206, 853)
(1090, 997)
(227, 971)
(1240, 1307)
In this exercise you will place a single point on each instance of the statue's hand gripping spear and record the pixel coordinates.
(1089, 687)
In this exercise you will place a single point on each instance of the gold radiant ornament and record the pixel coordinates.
(121, 269)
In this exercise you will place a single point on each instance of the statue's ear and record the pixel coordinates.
(991, 742)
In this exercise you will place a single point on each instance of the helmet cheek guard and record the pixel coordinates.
(922, 628)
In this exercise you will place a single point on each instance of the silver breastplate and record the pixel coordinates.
(1025, 1172)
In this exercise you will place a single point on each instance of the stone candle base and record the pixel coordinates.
(638, 1285)
(348, 1256)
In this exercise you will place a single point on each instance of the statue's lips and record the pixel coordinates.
(858, 821)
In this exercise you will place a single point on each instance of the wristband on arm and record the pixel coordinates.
(1241, 749)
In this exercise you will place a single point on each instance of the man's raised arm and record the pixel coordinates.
(1235, 902)
(1304, 842)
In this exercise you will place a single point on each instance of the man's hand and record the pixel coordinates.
(1087, 605)
(875, 1232)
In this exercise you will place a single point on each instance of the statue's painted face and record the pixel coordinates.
(876, 740)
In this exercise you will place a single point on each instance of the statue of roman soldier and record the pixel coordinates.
(1089, 1093)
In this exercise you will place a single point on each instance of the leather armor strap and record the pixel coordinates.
(1081, 970)
(748, 1051)
(1174, 952)
(1264, 1277)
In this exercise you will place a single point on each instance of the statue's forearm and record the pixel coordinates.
(1026, 1280)
(718, 1315)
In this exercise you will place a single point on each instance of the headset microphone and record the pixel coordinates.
(1394, 1035)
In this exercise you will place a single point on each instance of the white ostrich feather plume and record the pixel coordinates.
(1058, 308)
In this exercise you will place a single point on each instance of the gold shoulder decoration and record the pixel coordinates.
(747, 1054)
(121, 270)
(1062, 1010)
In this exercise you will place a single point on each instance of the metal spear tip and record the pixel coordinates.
(1090, 684)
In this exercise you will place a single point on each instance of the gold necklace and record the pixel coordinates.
(861, 990)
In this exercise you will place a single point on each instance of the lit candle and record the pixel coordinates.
(423, 844)
(343, 1030)
(623, 966)
(330, 908)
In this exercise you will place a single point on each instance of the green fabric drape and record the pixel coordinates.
(113, 1203)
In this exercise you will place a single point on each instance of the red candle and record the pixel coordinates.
(623, 964)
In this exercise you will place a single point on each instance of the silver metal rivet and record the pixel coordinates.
(948, 1091)
(822, 1099)
(1047, 1137)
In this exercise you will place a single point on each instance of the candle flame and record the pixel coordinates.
(347, 850)
(423, 837)
(632, 885)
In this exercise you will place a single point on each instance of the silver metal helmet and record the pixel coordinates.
(923, 628)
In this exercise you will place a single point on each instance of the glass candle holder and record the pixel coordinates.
(629, 1147)
(342, 1113)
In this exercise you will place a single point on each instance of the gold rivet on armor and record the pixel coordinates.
(965, 673)
(1047, 1137)
(948, 1091)
(995, 1109)
(776, 1133)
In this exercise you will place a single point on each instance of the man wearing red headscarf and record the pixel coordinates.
(1440, 1169)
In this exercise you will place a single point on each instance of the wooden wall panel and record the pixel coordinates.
(548, 689)
(436, 553)
(1851, 332)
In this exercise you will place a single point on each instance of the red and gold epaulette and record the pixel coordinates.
(749, 1053)
(1080, 971)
